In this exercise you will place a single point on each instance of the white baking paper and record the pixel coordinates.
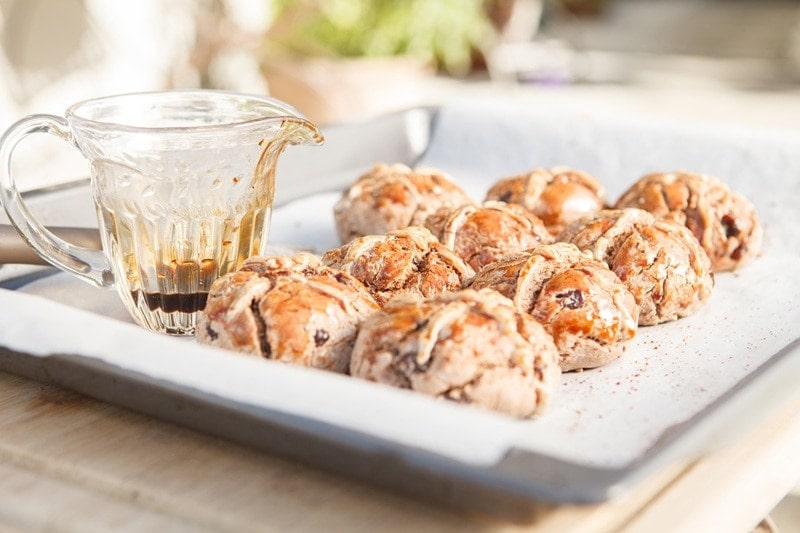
(607, 417)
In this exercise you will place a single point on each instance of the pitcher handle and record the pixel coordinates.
(86, 263)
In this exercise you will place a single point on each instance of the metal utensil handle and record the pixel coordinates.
(86, 263)
(14, 249)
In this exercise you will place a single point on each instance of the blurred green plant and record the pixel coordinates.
(446, 33)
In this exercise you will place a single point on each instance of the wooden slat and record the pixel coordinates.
(734, 488)
(71, 462)
(66, 440)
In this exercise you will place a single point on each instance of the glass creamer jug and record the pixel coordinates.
(183, 184)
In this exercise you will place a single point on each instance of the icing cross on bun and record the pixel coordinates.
(659, 260)
(390, 197)
(581, 303)
(291, 309)
(468, 346)
(725, 222)
(559, 195)
(482, 234)
(409, 262)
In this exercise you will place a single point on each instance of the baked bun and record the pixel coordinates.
(558, 196)
(291, 309)
(391, 197)
(409, 262)
(581, 303)
(467, 346)
(482, 234)
(725, 222)
(659, 261)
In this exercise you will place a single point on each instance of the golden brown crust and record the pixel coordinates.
(482, 234)
(291, 309)
(658, 260)
(409, 262)
(467, 346)
(582, 304)
(559, 195)
(725, 222)
(391, 197)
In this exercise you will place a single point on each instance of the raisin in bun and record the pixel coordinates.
(291, 309)
(482, 234)
(390, 197)
(558, 196)
(660, 262)
(725, 222)
(409, 262)
(467, 346)
(581, 303)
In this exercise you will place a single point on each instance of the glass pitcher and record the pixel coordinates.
(183, 184)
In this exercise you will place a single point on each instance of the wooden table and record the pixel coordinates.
(69, 462)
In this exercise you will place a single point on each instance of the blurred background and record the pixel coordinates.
(344, 59)
(735, 61)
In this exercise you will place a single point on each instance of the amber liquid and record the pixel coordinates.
(169, 265)
(175, 220)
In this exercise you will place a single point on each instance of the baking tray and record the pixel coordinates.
(681, 389)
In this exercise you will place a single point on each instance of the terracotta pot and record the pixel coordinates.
(333, 90)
